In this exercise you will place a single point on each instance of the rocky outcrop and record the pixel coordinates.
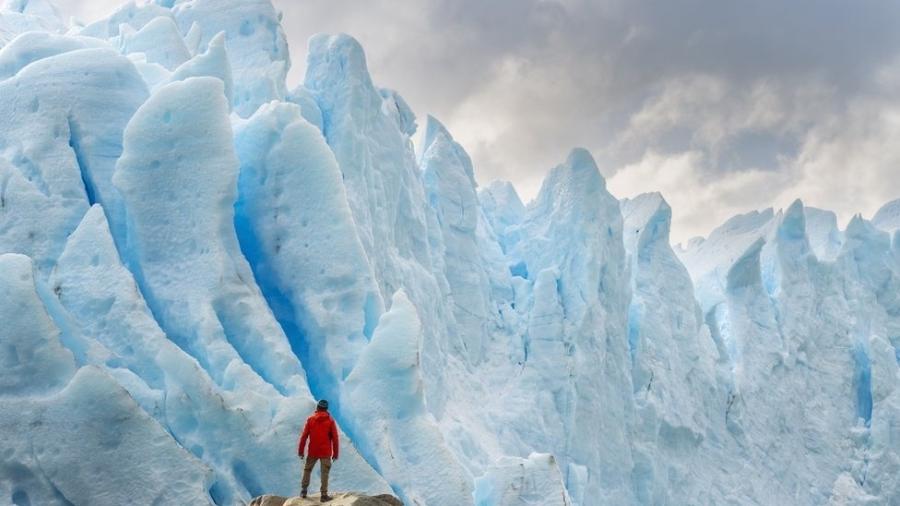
(340, 499)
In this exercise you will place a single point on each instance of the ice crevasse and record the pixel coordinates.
(192, 252)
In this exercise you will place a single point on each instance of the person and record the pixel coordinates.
(321, 431)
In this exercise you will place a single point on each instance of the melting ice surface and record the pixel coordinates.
(191, 253)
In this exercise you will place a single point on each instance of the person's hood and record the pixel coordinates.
(320, 415)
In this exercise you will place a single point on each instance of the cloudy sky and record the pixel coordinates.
(722, 106)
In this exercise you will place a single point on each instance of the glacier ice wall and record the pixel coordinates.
(191, 253)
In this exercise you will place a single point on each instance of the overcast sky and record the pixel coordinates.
(722, 106)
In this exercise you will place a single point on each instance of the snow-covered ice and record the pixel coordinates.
(192, 252)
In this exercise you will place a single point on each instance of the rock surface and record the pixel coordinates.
(340, 499)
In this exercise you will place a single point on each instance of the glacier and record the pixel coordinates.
(192, 252)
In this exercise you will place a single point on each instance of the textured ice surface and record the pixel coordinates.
(450, 189)
(888, 217)
(678, 394)
(190, 255)
(158, 41)
(162, 168)
(503, 209)
(23, 16)
(131, 15)
(75, 437)
(60, 143)
(385, 405)
(213, 62)
(571, 243)
(825, 238)
(257, 48)
(97, 290)
(513, 480)
(296, 229)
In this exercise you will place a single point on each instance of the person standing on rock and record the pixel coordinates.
(321, 431)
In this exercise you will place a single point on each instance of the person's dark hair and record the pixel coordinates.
(322, 405)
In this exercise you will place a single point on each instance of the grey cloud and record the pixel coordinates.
(723, 91)
(611, 58)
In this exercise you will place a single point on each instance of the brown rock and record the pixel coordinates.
(389, 499)
(268, 500)
(340, 499)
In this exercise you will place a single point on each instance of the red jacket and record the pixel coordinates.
(322, 433)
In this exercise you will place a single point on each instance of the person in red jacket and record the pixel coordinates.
(321, 431)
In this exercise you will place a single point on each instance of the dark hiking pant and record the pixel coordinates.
(324, 469)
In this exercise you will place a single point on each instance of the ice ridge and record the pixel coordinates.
(192, 253)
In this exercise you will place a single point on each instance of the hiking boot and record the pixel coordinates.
(303, 493)
(325, 497)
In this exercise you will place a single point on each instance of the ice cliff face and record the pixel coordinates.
(191, 253)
